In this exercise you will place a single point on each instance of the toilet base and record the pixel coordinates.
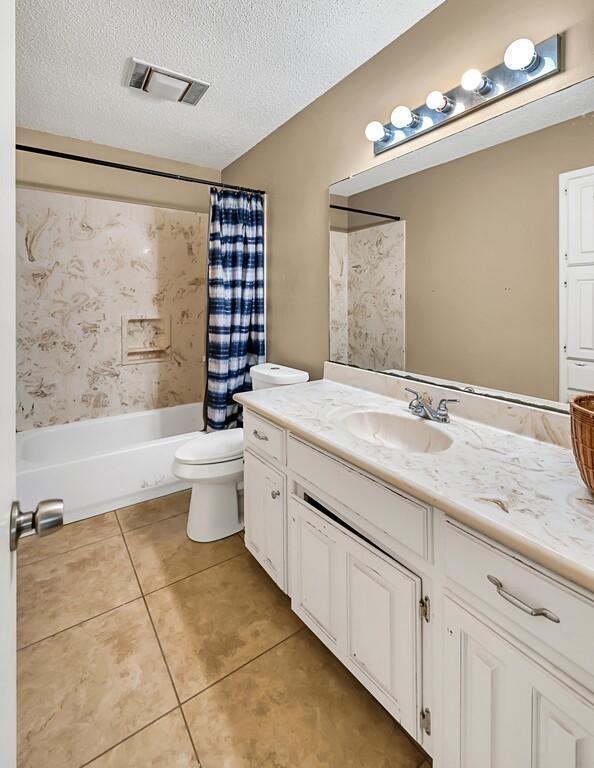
(214, 512)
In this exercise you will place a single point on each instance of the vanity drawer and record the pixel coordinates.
(373, 508)
(470, 561)
(263, 437)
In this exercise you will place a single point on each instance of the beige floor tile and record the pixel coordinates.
(162, 552)
(152, 511)
(164, 744)
(32, 548)
(217, 620)
(295, 706)
(61, 591)
(86, 689)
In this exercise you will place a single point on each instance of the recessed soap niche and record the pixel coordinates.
(146, 339)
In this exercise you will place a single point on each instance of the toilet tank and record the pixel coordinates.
(271, 375)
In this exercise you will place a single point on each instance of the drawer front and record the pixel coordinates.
(374, 508)
(580, 376)
(263, 437)
(514, 588)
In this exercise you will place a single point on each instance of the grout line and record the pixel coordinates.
(79, 623)
(229, 674)
(153, 522)
(126, 738)
(192, 742)
(66, 551)
(194, 573)
(162, 651)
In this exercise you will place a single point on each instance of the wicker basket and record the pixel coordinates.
(581, 409)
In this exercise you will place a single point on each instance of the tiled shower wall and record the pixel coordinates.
(85, 268)
(367, 296)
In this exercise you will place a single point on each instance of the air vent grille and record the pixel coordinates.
(139, 73)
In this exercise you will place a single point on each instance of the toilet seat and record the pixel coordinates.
(212, 448)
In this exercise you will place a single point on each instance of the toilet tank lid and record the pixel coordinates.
(212, 447)
(271, 373)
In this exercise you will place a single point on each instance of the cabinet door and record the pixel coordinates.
(265, 516)
(317, 573)
(383, 631)
(502, 710)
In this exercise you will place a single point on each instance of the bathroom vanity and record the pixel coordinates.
(449, 567)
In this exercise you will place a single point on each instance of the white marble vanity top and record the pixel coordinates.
(526, 494)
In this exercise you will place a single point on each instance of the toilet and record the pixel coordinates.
(213, 464)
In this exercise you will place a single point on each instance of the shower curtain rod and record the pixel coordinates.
(369, 213)
(123, 167)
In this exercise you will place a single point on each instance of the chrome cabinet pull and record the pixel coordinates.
(520, 603)
(275, 494)
(259, 436)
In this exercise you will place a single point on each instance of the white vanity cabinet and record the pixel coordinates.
(501, 709)
(361, 604)
(265, 516)
(432, 618)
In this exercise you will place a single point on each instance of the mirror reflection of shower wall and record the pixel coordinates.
(367, 275)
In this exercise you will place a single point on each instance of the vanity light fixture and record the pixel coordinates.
(524, 64)
(375, 131)
(402, 117)
(474, 80)
(521, 55)
(438, 102)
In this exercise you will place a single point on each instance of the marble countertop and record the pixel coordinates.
(521, 492)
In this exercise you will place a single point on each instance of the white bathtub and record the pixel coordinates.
(101, 464)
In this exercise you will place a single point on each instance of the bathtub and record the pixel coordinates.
(101, 464)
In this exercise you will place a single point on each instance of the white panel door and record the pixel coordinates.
(317, 563)
(486, 706)
(580, 317)
(7, 391)
(580, 221)
(383, 630)
(265, 516)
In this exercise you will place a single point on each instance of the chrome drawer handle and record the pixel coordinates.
(275, 494)
(521, 604)
(259, 436)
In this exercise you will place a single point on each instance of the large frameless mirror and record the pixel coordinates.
(471, 261)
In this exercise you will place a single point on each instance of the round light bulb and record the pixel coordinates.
(437, 101)
(402, 117)
(472, 80)
(375, 131)
(520, 55)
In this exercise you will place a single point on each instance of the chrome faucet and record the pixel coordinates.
(423, 407)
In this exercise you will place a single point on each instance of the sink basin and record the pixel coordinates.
(401, 431)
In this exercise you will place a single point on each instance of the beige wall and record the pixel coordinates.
(482, 259)
(325, 142)
(40, 172)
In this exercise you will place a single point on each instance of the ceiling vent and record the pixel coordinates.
(164, 83)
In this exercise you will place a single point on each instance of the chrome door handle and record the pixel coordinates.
(520, 603)
(259, 436)
(275, 494)
(47, 518)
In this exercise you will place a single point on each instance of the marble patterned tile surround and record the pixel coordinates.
(522, 491)
(367, 296)
(109, 691)
(82, 265)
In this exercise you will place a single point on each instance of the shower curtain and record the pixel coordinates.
(236, 339)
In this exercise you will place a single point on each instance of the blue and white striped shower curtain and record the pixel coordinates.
(236, 338)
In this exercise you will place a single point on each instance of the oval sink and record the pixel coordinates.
(401, 431)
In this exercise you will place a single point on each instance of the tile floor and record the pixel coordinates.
(138, 647)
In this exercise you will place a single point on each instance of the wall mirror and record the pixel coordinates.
(471, 260)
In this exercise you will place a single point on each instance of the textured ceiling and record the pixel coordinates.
(265, 60)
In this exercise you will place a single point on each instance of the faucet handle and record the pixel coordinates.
(412, 392)
(443, 403)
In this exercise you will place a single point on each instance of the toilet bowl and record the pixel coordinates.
(213, 463)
